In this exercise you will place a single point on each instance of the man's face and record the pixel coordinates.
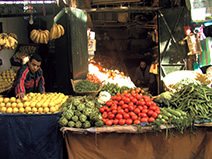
(34, 65)
(142, 64)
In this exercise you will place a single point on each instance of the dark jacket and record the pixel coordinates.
(27, 82)
(148, 79)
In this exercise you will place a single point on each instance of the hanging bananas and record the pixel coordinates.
(8, 41)
(56, 31)
(39, 36)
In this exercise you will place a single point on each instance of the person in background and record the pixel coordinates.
(29, 78)
(144, 79)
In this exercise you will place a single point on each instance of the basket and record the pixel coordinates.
(91, 93)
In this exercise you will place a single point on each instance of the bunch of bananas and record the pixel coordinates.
(56, 31)
(8, 41)
(39, 36)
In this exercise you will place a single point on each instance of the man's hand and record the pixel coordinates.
(20, 95)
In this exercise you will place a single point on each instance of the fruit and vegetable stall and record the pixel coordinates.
(108, 117)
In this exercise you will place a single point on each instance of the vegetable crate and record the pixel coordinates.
(92, 93)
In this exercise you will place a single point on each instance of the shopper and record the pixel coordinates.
(144, 79)
(29, 78)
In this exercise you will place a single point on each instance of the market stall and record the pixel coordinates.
(126, 142)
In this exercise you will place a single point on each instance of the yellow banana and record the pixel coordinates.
(13, 35)
(46, 33)
(7, 43)
(37, 39)
(2, 41)
(41, 38)
(12, 42)
(61, 29)
(33, 34)
(53, 32)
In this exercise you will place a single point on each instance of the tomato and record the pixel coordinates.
(145, 107)
(134, 100)
(137, 110)
(151, 119)
(129, 121)
(144, 119)
(109, 103)
(144, 110)
(126, 110)
(157, 111)
(109, 122)
(123, 97)
(138, 96)
(150, 112)
(138, 89)
(114, 111)
(131, 107)
(118, 94)
(143, 115)
(113, 107)
(140, 107)
(105, 120)
(111, 115)
(119, 116)
(118, 98)
(127, 95)
(104, 115)
(120, 111)
(154, 115)
(130, 104)
(142, 103)
(102, 109)
(126, 116)
(133, 92)
(121, 102)
(134, 117)
(136, 122)
(122, 121)
(107, 109)
(153, 107)
(115, 102)
(113, 97)
(124, 106)
(115, 121)
(132, 113)
(131, 97)
(126, 100)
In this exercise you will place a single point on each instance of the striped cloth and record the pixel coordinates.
(205, 58)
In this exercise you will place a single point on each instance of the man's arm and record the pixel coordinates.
(20, 81)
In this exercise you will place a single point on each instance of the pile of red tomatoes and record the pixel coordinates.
(129, 107)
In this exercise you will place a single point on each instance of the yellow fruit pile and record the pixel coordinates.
(33, 103)
(6, 79)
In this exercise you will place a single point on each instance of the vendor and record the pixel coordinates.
(29, 78)
(144, 79)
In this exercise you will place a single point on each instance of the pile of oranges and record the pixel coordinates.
(33, 103)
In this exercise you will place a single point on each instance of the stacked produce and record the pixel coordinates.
(56, 31)
(39, 36)
(80, 112)
(6, 79)
(129, 107)
(195, 99)
(86, 86)
(8, 41)
(33, 103)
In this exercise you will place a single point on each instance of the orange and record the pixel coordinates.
(28, 109)
(6, 100)
(21, 110)
(9, 110)
(8, 104)
(20, 105)
(3, 109)
(34, 109)
(40, 110)
(2, 104)
(15, 110)
(46, 110)
(52, 109)
(13, 105)
(12, 99)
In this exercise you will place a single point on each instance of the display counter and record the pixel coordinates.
(129, 143)
(30, 136)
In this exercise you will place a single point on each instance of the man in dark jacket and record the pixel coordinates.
(29, 78)
(144, 79)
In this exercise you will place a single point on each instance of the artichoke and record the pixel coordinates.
(63, 121)
(78, 124)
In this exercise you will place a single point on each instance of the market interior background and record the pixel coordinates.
(122, 38)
